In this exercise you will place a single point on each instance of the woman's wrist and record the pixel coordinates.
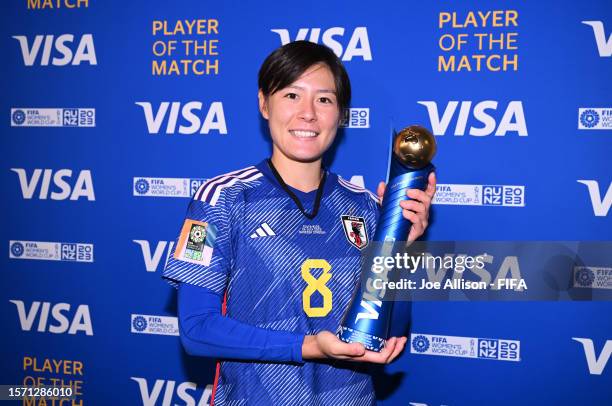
(310, 348)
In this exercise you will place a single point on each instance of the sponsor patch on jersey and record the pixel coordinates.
(196, 242)
(355, 231)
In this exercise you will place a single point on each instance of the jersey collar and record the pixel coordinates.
(330, 183)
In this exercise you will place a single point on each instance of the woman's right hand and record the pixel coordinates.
(326, 345)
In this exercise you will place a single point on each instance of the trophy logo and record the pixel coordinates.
(355, 231)
(367, 319)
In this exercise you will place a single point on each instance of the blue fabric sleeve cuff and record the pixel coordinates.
(296, 348)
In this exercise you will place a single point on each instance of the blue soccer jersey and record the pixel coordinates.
(245, 237)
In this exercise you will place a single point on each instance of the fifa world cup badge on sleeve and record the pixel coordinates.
(196, 242)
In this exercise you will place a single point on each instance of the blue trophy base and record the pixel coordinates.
(369, 341)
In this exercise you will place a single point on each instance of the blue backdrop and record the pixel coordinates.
(115, 112)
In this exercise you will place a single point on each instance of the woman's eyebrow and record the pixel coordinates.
(318, 90)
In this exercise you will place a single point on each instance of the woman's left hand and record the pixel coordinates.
(417, 209)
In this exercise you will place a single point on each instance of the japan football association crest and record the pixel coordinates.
(355, 231)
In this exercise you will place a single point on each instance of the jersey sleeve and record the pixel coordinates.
(202, 253)
(205, 332)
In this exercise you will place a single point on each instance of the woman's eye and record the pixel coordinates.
(326, 100)
(291, 96)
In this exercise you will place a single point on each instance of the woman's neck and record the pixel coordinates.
(303, 176)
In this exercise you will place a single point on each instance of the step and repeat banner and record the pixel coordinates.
(116, 111)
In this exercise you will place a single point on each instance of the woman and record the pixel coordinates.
(275, 240)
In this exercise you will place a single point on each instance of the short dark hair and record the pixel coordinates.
(287, 63)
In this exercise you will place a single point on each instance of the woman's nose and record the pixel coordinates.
(307, 111)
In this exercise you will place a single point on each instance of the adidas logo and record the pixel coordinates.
(263, 231)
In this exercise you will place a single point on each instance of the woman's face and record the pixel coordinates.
(304, 116)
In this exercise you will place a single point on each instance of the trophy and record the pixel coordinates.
(368, 316)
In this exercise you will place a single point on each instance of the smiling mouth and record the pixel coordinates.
(303, 133)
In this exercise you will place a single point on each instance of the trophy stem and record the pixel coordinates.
(367, 319)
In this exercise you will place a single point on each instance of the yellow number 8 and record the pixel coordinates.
(316, 285)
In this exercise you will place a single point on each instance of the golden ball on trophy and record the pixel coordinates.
(414, 146)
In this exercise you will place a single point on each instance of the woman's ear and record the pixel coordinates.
(263, 104)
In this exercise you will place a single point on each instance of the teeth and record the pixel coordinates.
(305, 134)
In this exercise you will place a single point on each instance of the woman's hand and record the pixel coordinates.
(417, 209)
(326, 345)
